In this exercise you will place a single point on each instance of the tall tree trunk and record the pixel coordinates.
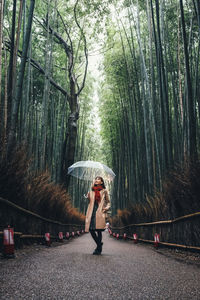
(197, 6)
(10, 72)
(69, 144)
(164, 95)
(16, 46)
(27, 97)
(5, 114)
(45, 99)
(1, 34)
(72, 130)
(17, 99)
(189, 94)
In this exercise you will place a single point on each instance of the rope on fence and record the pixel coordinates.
(28, 236)
(197, 214)
(169, 244)
(19, 208)
(15, 233)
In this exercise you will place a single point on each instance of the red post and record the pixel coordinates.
(78, 233)
(67, 235)
(156, 240)
(8, 242)
(73, 234)
(114, 234)
(47, 239)
(135, 238)
(124, 236)
(117, 236)
(60, 235)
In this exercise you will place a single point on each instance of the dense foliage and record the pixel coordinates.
(46, 90)
(150, 94)
(149, 90)
(42, 92)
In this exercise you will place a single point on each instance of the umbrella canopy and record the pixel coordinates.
(88, 170)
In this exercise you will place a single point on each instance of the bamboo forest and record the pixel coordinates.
(117, 82)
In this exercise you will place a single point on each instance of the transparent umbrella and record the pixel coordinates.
(88, 170)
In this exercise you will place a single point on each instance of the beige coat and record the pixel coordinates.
(100, 215)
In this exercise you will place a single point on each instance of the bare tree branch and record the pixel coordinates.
(36, 65)
(85, 49)
(71, 66)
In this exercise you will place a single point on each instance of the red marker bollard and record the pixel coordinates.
(67, 235)
(47, 239)
(135, 238)
(8, 242)
(124, 236)
(73, 234)
(156, 240)
(60, 235)
(117, 236)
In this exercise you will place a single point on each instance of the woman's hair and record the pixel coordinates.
(103, 184)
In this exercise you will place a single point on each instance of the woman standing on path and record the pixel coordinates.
(99, 204)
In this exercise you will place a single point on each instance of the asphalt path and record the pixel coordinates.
(123, 271)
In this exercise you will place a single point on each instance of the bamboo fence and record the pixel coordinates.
(29, 226)
(181, 232)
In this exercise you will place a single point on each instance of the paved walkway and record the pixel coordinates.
(123, 271)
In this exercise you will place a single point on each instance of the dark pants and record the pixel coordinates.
(97, 237)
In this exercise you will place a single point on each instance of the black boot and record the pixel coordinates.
(100, 247)
(95, 238)
(100, 244)
(96, 251)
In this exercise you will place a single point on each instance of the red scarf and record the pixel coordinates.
(97, 189)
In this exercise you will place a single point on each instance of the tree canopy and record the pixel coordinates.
(138, 113)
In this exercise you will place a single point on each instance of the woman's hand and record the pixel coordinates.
(87, 196)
